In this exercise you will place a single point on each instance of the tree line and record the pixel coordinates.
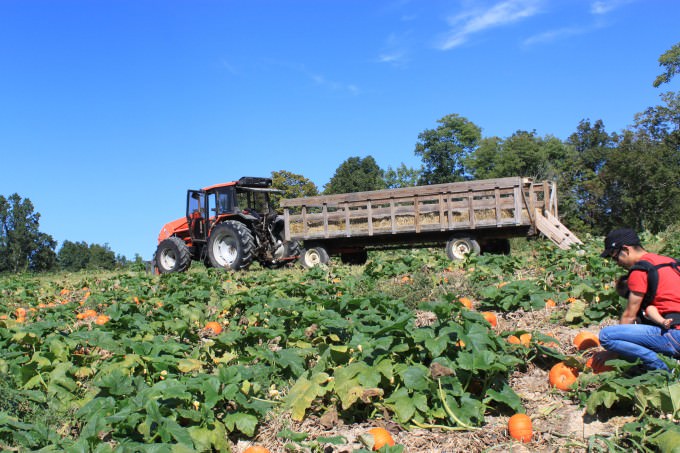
(604, 179)
(23, 247)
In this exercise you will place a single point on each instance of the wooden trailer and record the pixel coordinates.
(465, 217)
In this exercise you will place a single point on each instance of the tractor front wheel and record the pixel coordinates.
(172, 255)
(231, 246)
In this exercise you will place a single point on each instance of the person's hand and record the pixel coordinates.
(600, 359)
(667, 323)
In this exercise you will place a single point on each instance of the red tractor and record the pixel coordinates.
(226, 226)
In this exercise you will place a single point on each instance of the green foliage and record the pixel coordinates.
(325, 341)
(22, 246)
(356, 175)
(512, 282)
(445, 150)
(292, 185)
(522, 154)
(670, 61)
(75, 256)
(402, 176)
(320, 339)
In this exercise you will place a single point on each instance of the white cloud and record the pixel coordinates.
(318, 79)
(607, 6)
(332, 85)
(229, 67)
(476, 21)
(553, 35)
(395, 51)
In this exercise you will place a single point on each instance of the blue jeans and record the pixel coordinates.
(641, 341)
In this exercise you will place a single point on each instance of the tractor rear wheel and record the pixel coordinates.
(172, 255)
(231, 246)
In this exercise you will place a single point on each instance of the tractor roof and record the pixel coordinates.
(217, 186)
(245, 181)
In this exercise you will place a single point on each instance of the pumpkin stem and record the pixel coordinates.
(450, 412)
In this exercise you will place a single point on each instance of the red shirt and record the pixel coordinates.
(667, 298)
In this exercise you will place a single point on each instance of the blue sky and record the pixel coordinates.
(111, 110)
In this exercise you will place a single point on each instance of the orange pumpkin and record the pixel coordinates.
(381, 437)
(87, 314)
(520, 428)
(550, 303)
(525, 339)
(256, 449)
(599, 367)
(562, 376)
(513, 339)
(586, 340)
(491, 318)
(20, 312)
(215, 327)
(467, 303)
(101, 320)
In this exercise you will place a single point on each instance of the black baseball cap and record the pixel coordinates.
(617, 239)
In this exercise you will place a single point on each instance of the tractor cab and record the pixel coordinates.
(247, 198)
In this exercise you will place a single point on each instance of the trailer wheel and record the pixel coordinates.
(231, 246)
(314, 256)
(458, 248)
(172, 255)
(354, 258)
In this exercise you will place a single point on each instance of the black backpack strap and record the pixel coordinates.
(652, 280)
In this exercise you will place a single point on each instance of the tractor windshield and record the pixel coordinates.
(253, 200)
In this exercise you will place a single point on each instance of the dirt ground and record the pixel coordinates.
(559, 424)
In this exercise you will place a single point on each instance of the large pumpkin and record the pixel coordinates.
(562, 376)
(586, 340)
(520, 428)
(381, 437)
(491, 318)
(215, 327)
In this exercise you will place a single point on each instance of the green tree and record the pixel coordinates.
(670, 61)
(522, 154)
(444, 150)
(73, 256)
(662, 122)
(292, 185)
(581, 187)
(101, 257)
(402, 176)
(482, 163)
(22, 246)
(641, 184)
(356, 175)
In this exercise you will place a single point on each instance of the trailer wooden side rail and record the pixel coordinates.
(462, 214)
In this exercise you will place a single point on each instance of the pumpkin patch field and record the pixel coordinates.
(410, 352)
